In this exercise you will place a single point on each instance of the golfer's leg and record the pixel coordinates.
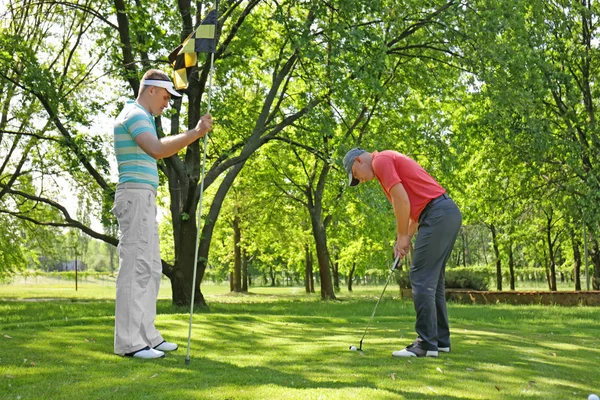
(443, 327)
(151, 335)
(452, 222)
(423, 280)
(128, 310)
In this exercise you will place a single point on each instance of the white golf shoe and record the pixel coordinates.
(166, 346)
(415, 350)
(146, 353)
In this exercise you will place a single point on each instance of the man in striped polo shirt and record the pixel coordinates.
(137, 148)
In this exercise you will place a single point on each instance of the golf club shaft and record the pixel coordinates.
(375, 309)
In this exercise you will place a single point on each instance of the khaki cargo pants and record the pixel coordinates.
(140, 268)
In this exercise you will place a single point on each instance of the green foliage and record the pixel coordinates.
(467, 278)
(497, 100)
(12, 256)
(473, 278)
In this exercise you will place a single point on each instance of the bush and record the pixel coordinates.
(473, 278)
(467, 278)
(402, 279)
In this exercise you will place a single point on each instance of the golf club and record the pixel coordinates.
(354, 348)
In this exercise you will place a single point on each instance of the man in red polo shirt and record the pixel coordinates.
(418, 202)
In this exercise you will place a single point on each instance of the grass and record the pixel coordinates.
(280, 343)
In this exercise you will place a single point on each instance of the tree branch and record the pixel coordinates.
(70, 222)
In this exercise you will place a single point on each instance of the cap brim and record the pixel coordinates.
(352, 181)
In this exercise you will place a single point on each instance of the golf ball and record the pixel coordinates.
(593, 397)
(353, 348)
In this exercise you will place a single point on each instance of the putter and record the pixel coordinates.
(353, 348)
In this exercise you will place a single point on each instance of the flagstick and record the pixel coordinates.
(187, 357)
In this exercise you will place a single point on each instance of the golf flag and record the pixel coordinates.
(184, 57)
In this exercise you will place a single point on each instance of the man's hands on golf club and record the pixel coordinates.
(402, 246)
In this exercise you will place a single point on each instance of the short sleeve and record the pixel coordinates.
(385, 170)
(137, 122)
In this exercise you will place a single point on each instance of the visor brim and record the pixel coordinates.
(168, 85)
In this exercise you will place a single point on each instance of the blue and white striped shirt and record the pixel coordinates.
(133, 163)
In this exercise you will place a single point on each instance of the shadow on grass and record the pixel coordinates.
(68, 368)
(279, 348)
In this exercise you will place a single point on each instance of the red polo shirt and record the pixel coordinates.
(391, 168)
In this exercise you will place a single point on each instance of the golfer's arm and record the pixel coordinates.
(412, 227)
(401, 205)
(168, 145)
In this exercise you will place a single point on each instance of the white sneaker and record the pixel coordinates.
(415, 350)
(166, 346)
(409, 353)
(146, 353)
(444, 349)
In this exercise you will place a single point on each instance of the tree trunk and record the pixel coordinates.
(183, 180)
(237, 255)
(546, 265)
(181, 274)
(576, 261)
(307, 268)
(272, 275)
(551, 264)
(261, 134)
(351, 276)
(458, 258)
(511, 266)
(336, 276)
(596, 262)
(128, 59)
(231, 285)
(327, 292)
(245, 281)
(208, 228)
(498, 260)
(312, 272)
(314, 204)
(465, 246)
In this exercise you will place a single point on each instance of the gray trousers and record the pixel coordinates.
(140, 268)
(439, 225)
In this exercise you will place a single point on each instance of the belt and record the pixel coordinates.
(431, 203)
(136, 185)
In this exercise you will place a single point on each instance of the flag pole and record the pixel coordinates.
(198, 220)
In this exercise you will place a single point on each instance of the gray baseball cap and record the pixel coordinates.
(349, 161)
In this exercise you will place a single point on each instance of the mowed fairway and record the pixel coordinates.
(282, 344)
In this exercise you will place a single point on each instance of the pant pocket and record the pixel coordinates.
(129, 212)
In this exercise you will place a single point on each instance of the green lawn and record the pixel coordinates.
(282, 344)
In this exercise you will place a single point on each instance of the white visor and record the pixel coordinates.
(163, 84)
